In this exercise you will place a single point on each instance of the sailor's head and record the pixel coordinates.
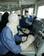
(13, 19)
(4, 18)
(19, 16)
(26, 13)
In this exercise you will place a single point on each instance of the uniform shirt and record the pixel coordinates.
(8, 41)
(29, 20)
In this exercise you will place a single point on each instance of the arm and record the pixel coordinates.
(27, 43)
(10, 42)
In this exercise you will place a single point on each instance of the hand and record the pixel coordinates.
(28, 42)
(27, 31)
(24, 38)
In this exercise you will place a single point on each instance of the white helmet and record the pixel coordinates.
(13, 18)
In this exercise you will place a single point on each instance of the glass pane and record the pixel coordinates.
(40, 13)
(30, 11)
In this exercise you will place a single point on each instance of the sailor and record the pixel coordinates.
(8, 37)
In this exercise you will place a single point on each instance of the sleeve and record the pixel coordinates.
(18, 39)
(10, 42)
(28, 22)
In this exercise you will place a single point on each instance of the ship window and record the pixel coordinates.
(40, 13)
(30, 10)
